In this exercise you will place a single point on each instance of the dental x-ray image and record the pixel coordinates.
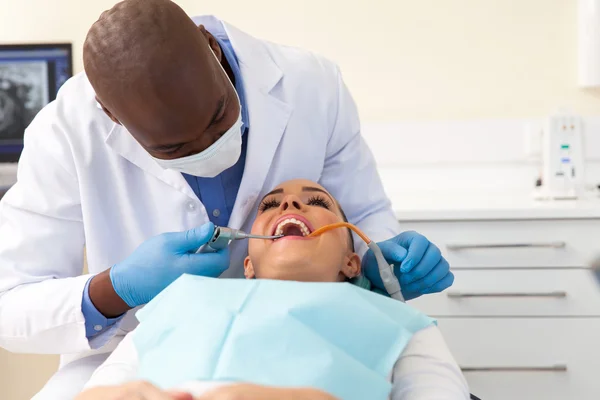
(23, 93)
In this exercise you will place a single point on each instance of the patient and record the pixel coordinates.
(425, 368)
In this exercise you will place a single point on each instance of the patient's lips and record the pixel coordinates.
(292, 226)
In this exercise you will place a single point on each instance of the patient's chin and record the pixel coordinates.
(286, 267)
(298, 260)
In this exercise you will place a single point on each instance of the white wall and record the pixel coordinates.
(21, 376)
(403, 59)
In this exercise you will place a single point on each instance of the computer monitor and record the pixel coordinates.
(30, 76)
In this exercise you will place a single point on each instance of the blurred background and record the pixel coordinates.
(426, 59)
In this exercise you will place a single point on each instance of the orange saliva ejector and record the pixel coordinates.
(386, 270)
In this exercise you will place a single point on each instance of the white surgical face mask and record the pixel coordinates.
(218, 157)
(221, 155)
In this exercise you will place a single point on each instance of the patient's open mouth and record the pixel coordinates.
(293, 226)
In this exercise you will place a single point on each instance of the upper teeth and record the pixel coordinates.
(301, 225)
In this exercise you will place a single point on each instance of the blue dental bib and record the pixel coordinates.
(332, 336)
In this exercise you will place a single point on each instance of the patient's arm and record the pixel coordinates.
(258, 392)
(133, 391)
(427, 370)
(120, 367)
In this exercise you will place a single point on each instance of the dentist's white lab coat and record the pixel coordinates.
(85, 181)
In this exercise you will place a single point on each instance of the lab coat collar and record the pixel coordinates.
(268, 115)
(250, 52)
(121, 142)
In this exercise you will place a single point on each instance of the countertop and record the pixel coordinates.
(477, 206)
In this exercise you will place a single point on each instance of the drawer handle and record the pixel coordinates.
(551, 368)
(460, 295)
(546, 245)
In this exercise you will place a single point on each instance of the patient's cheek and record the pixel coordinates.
(258, 225)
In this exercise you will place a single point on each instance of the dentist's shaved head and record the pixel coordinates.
(138, 40)
(153, 70)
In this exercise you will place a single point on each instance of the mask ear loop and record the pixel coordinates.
(386, 271)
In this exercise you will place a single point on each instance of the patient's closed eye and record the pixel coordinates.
(319, 201)
(268, 203)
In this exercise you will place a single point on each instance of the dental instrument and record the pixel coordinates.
(386, 271)
(223, 236)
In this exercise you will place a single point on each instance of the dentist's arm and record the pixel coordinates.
(41, 247)
(350, 174)
(46, 307)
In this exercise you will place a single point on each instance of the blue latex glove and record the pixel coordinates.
(418, 264)
(160, 260)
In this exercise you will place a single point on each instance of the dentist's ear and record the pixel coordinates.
(107, 112)
(248, 268)
(351, 267)
(212, 43)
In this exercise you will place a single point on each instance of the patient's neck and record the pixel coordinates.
(300, 276)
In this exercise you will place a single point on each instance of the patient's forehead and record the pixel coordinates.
(296, 185)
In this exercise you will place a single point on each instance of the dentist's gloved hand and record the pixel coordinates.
(160, 260)
(418, 264)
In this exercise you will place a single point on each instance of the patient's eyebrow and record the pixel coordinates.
(315, 189)
(272, 192)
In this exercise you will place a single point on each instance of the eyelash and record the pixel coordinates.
(319, 201)
(266, 204)
(312, 201)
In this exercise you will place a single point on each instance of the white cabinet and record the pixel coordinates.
(537, 358)
(522, 243)
(523, 316)
(522, 292)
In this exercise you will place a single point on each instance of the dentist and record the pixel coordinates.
(176, 125)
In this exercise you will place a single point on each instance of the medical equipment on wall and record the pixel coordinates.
(562, 157)
(223, 236)
(386, 271)
(30, 78)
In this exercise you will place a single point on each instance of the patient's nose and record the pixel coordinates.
(291, 202)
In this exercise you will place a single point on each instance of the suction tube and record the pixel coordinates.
(386, 271)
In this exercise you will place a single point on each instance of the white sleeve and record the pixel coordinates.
(427, 370)
(41, 247)
(351, 175)
(120, 367)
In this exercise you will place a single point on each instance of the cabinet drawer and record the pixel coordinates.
(550, 359)
(480, 244)
(531, 292)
